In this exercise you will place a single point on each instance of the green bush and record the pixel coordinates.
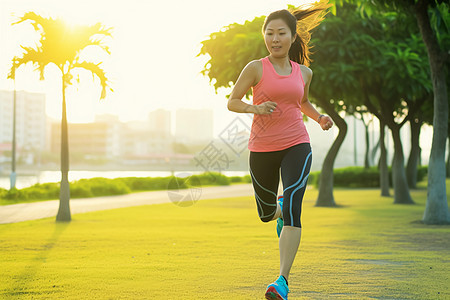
(247, 179)
(101, 187)
(174, 183)
(313, 178)
(235, 179)
(95, 187)
(80, 191)
(360, 177)
(422, 171)
(212, 178)
(356, 177)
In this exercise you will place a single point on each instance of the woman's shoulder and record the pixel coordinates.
(306, 72)
(255, 65)
(254, 69)
(305, 69)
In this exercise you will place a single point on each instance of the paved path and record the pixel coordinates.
(37, 210)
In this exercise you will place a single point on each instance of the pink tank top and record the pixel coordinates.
(284, 127)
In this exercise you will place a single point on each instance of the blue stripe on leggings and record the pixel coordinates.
(309, 155)
(253, 176)
(303, 182)
(292, 195)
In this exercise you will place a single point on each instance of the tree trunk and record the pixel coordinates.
(401, 190)
(64, 192)
(13, 158)
(383, 167)
(436, 210)
(366, 158)
(374, 151)
(448, 158)
(413, 160)
(325, 197)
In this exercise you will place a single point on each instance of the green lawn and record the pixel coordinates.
(219, 249)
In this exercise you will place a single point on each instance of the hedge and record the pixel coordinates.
(359, 177)
(94, 187)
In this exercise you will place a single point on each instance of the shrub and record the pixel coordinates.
(313, 178)
(101, 186)
(357, 177)
(80, 191)
(247, 179)
(212, 178)
(422, 171)
(174, 183)
(234, 179)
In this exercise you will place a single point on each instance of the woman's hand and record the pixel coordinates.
(265, 108)
(325, 122)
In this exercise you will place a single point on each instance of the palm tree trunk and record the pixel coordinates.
(401, 190)
(325, 197)
(383, 167)
(413, 160)
(64, 193)
(13, 158)
(436, 210)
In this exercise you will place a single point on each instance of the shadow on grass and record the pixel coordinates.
(23, 280)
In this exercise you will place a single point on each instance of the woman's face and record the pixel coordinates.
(278, 38)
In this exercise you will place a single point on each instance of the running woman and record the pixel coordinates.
(279, 140)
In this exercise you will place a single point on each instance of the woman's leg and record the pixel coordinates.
(295, 168)
(265, 173)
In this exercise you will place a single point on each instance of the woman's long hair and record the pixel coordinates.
(301, 21)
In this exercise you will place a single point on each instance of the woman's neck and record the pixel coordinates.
(282, 62)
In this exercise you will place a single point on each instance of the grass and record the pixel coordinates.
(368, 248)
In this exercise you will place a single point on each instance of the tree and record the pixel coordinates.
(360, 113)
(397, 100)
(382, 164)
(347, 49)
(63, 45)
(436, 211)
(231, 49)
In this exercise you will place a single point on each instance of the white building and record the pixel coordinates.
(30, 120)
(160, 121)
(114, 134)
(194, 125)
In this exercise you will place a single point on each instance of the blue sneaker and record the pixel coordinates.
(277, 290)
(280, 222)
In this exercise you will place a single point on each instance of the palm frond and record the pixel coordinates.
(38, 22)
(96, 70)
(63, 42)
(30, 55)
(88, 35)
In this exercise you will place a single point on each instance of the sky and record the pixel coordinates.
(153, 62)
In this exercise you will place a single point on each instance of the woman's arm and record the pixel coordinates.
(250, 76)
(308, 109)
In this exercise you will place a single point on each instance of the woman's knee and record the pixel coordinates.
(269, 216)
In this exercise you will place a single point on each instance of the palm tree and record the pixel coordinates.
(61, 45)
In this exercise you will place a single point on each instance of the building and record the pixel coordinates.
(89, 140)
(194, 125)
(111, 139)
(30, 121)
(160, 121)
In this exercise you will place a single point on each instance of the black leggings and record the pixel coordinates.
(295, 164)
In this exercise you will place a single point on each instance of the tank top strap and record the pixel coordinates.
(266, 65)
